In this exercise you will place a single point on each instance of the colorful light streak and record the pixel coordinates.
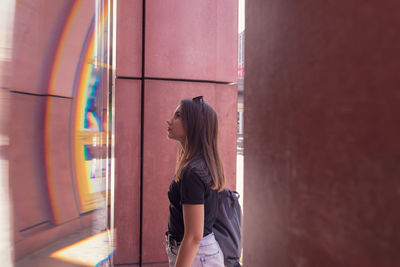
(50, 110)
(86, 119)
(86, 85)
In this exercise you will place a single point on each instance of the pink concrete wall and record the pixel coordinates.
(321, 177)
(127, 169)
(128, 130)
(190, 40)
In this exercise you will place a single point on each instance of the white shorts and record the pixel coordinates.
(208, 255)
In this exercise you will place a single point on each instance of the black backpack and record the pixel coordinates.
(227, 227)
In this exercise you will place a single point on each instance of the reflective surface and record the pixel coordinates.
(56, 133)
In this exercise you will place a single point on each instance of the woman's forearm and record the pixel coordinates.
(187, 252)
(193, 217)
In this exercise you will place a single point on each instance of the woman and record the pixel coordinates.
(193, 192)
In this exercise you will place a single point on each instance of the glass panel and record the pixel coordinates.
(55, 138)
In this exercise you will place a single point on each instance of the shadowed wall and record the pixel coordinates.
(322, 123)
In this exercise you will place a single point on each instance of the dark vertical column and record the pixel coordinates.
(127, 170)
(322, 123)
(128, 110)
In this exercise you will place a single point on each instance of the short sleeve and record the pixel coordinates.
(192, 189)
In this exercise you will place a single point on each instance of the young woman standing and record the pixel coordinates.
(193, 193)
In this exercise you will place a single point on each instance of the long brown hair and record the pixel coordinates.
(200, 122)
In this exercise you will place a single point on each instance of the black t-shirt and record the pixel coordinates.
(193, 188)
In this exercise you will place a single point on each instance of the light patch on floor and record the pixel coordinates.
(91, 251)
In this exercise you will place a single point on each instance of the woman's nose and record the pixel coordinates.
(168, 122)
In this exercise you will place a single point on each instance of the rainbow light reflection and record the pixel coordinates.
(87, 128)
(92, 251)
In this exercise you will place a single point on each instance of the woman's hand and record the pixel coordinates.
(193, 218)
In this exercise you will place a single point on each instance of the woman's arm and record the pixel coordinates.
(193, 218)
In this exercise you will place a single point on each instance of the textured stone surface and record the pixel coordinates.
(191, 40)
(129, 38)
(321, 134)
(127, 170)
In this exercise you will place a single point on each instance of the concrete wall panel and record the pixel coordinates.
(321, 126)
(226, 108)
(127, 170)
(129, 38)
(191, 40)
(227, 41)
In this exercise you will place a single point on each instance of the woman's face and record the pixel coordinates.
(175, 126)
